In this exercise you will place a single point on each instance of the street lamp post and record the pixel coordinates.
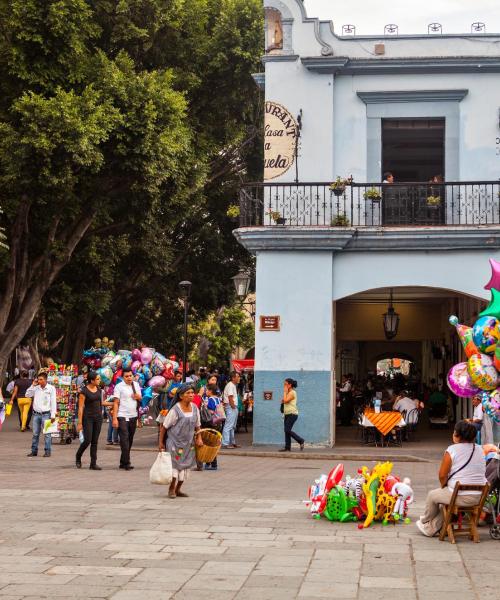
(185, 288)
(242, 286)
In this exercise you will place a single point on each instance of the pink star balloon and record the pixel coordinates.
(494, 282)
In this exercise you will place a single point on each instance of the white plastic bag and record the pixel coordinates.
(161, 471)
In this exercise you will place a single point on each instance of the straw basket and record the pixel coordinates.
(212, 440)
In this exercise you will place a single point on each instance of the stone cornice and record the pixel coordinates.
(279, 58)
(346, 66)
(412, 96)
(376, 239)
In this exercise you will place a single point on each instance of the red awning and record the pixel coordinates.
(245, 364)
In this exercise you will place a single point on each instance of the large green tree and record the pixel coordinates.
(125, 128)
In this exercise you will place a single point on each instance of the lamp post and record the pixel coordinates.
(242, 286)
(390, 320)
(185, 289)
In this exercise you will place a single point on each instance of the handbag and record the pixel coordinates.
(161, 471)
(282, 408)
(205, 415)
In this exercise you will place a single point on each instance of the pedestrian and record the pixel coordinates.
(462, 462)
(290, 414)
(346, 404)
(90, 419)
(213, 408)
(172, 390)
(388, 177)
(211, 380)
(24, 404)
(230, 401)
(112, 437)
(126, 398)
(44, 409)
(183, 425)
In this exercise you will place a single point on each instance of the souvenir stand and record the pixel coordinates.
(63, 378)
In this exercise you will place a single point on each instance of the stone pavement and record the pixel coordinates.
(243, 534)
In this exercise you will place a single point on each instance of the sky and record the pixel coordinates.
(370, 16)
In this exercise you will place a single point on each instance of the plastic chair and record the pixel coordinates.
(473, 513)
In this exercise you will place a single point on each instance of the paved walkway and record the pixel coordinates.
(243, 534)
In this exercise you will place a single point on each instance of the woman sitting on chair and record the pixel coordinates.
(462, 462)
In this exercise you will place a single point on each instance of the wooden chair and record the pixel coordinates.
(452, 510)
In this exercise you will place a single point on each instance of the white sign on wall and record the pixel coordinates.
(280, 136)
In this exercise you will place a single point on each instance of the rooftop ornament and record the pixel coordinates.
(435, 28)
(478, 27)
(391, 29)
(348, 30)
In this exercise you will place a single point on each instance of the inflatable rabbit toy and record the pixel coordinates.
(404, 494)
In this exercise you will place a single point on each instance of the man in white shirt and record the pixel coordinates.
(404, 403)
(477, 416)
(44, 408)
(230, 401)
(126, 398)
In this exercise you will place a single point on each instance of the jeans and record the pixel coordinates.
(126, 429)
(229, 425)
(91, 432)
(112, 431)
(38, 425)
(289, 422)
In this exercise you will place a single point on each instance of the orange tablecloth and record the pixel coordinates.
(383, 421)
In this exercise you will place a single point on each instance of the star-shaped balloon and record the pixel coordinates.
(493, 308)
(494, 282)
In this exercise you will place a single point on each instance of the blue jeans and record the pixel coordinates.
(229, 425)
(38, 424)
(112, 431)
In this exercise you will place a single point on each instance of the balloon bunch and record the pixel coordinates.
(375, 495)
(480, 374)
(151, 369)
(93, 356)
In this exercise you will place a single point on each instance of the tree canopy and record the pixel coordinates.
(125, 129)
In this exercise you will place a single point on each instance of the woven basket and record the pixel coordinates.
(212, 440)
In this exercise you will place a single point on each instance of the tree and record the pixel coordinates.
(215, 338)
(89, 143)
(125, 126)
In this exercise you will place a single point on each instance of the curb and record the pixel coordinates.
(309, 455)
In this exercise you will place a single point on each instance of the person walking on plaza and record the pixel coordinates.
(24, 404)
(126, 397)
(230, 401)
(290, 414)
(90, 419)
(462, 462)
(183, 426)
(44, 409)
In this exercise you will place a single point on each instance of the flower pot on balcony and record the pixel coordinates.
(338, 191)
(280, 221)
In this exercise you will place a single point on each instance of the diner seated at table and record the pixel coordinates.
(404, 403)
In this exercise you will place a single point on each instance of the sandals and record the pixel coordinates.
(182, 495)
(172, 495)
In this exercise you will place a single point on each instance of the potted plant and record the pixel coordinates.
(276, 217)
(433, 201)
(233, 211)
(372, 194)
(339, 185)
(340, 220)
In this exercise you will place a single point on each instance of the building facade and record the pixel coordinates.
(348, 108)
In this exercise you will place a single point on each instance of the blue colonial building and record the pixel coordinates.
(348, 109)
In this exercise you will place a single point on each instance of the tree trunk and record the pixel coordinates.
(79, 339)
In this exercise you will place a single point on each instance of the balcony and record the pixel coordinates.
(371, 205)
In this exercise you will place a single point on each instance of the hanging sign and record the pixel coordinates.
(280, 135)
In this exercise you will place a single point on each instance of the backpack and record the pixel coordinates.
(205, 415)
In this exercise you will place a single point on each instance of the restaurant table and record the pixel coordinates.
(384, 422)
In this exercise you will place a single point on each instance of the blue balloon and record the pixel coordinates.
(127, 362)
(141, 379)
(146, 371)
(147, 395)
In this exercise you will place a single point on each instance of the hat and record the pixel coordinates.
(182, 389)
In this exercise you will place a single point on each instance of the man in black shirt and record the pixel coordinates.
(20, 386)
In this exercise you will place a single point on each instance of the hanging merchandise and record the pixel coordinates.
(63, 378)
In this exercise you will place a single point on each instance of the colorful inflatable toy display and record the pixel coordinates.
(371, 496)
(480, 375)
(151, 369)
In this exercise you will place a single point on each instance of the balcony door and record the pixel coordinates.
(413, 149)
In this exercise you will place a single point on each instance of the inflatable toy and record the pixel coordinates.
(482, 372)
(486, 334)
(465, 335)
(460, 382)
(404, 494)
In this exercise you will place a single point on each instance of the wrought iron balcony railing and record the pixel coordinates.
(370, 204)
